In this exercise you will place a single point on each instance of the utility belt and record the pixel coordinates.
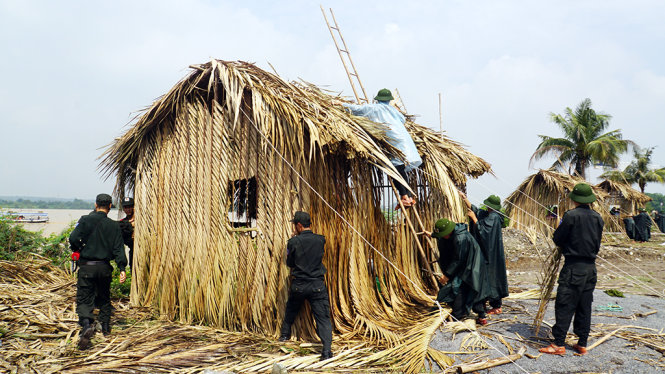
(579, 260)
(94, 262)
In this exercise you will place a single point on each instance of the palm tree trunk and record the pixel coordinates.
(580, 169)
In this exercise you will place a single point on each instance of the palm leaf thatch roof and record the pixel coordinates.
(527, 207)
(231, 124)
(625, 190)
(291, 115)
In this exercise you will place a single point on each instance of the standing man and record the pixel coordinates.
(642, 226)
(127, 227)
(98, 240)
(399, 136)
(660, 221)
(629, 225)
(578, 236)
(464, 277)
(304, 255)
(487, 229)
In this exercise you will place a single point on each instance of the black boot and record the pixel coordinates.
(326, 354)
(87, 332)
(106, 328)
(284, 338)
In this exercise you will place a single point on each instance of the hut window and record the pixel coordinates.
(242, 211)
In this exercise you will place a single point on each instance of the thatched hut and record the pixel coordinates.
(219, 164)
(625, 198)
(538, 204)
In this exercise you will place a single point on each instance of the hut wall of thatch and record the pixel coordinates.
(527, 207)
(625, 197)
(214, 199)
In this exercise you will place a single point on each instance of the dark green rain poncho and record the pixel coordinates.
(660, 222)
(462, 261)
(642, 227)
(629, 225)
(489, 236)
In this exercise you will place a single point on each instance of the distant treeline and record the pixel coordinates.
(29, 204)
(658, 202)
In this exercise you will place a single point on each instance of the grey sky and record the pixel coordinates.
(74, 73)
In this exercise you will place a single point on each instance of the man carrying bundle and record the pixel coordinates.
(304, 255)
(487, 230)
(384, 113)
(642, 226)
(464, 278)
(578, 236)
(98, 240)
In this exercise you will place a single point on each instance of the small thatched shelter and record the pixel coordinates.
(623, 196)
(219, 164)
(538, 204)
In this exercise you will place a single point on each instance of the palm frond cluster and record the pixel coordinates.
(200, 258)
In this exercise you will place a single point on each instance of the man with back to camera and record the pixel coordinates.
(578, 236)
(97, 239)
(642, 226)
(304, 255)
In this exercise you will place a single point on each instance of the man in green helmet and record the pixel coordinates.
(464, 278)
(578, 236)
(486, 228)
(382, 112)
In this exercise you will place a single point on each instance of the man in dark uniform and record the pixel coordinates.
(642, 226)
(304, 256)
(487, 230)
(127, 227)
(98, 240)
(578, 236)
(464, 278)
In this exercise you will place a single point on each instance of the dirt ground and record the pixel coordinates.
(624, 265)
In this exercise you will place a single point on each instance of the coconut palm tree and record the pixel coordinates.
(638, 171)
(585, 141)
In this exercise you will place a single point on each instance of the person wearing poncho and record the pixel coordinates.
(486, 228)
(629, 225)
(398, 136)
(464, 278)
(642, 226)
(660, 221)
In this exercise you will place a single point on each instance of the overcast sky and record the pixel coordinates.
(74, 73)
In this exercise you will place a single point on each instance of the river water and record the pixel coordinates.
(59, 219)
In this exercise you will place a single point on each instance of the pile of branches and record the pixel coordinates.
(39, 329)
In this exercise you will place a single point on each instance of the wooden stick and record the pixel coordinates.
(491, 363)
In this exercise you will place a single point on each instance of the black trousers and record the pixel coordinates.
(317, 294)
(94, 288)
(401, 169)
(574, 297)
(496, 303)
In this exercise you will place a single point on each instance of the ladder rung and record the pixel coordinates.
(344, 50)
(334, 28)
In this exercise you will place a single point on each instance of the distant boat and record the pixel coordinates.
(27, 217)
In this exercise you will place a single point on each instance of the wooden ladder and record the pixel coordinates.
(351, 75)
(354, 78)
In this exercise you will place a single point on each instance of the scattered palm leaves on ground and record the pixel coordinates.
(39, 328)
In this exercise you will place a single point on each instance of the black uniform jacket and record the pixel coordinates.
(305, 255)
(104, 239)
(127, 230)
(579, 233)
